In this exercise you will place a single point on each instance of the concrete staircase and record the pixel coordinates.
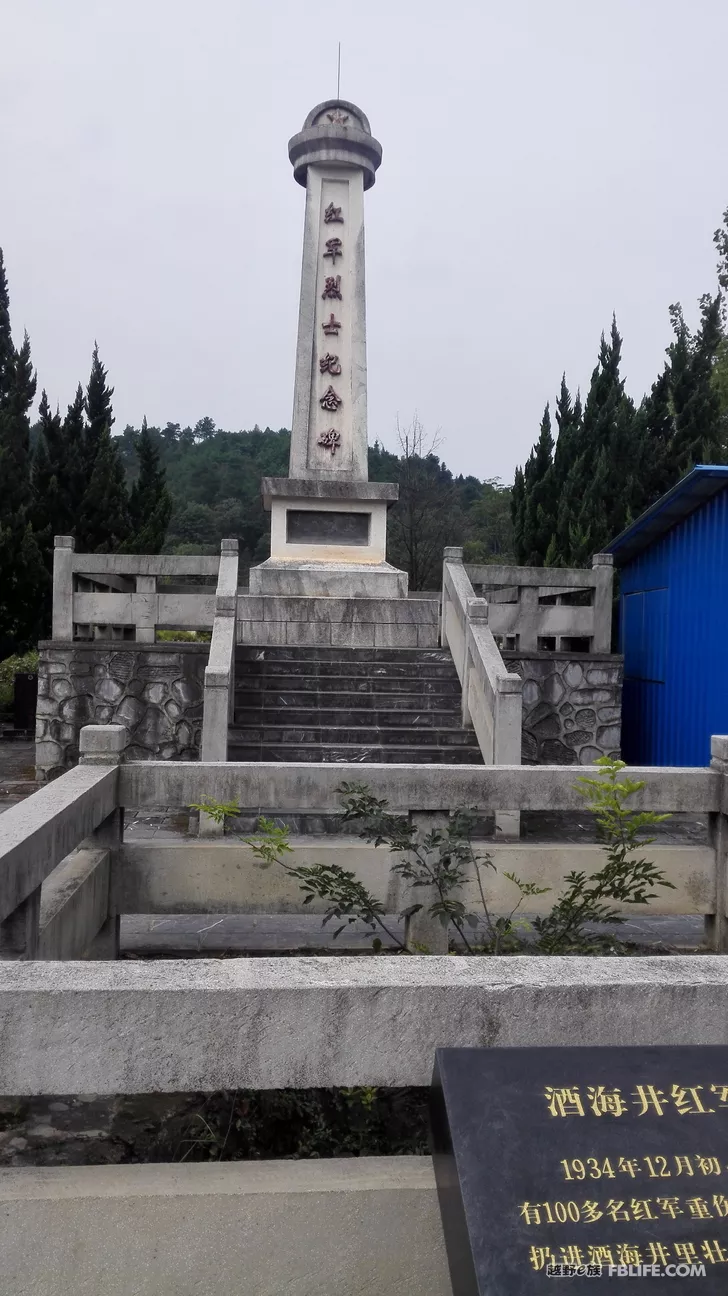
(349, 704)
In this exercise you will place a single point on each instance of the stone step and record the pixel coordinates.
(350, 735)
(439, 656)
(341, 668)
(346, 700)
(354, 753)
(349, 684)
(252, 716)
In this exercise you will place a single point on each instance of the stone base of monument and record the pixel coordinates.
(328, 579)
(328, 539)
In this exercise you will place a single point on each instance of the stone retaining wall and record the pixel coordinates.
(155, 691)
(572, 706)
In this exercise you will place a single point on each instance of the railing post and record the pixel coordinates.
(452, 554)
(528, 618)
(716, 925)
(220, 671)
(603, 567)
(62, 618)
(104, 745)
(422, 930)
(145, 630)
(476, 611)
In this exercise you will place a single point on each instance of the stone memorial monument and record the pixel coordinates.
(582, 1163)
(328, 521)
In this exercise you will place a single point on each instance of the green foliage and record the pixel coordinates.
(104, 522)
(345, 895)
(613, 461)
(18, 664)
(443, 861)
(626, 878)
(99, 414)
(23, 577)
(150, 503)
(217, 810)
(250, 1125)
(184, 636)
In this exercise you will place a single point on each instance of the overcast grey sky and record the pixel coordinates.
(545, 163)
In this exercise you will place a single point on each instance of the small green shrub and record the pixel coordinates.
(444, 859)
(184, 636)
(12, 666)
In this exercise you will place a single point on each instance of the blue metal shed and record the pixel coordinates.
(673, 620)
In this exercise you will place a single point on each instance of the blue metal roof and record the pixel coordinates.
(701, 484)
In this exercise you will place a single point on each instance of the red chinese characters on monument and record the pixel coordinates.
(330, 438)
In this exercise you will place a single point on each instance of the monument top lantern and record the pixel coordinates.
(335, 132)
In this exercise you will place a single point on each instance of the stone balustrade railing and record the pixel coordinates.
(219, 695)
(55, 904)
(532, 608)
(492, 699)
(106, 596)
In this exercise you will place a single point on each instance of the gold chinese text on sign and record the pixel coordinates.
(688, 1100)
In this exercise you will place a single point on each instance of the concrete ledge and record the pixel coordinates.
(327, 488)
(357, 1227)
(303, 786)
(222, 877)
(185, 1025)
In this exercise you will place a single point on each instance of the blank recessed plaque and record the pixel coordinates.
(314, 526)
(582, 1163)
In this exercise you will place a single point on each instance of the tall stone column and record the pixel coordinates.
(328, 522)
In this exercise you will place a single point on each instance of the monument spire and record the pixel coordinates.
(335, 157)
(328, 521)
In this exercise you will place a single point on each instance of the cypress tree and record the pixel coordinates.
(7, 350)
(518, 507)
(150, 503)
(98, 409)
(105, 506)
(566, 452)
(603, 477)
(698, 435)
(541, 501)
(50, 514)
(75, 472)
(654, 427)
(23, 579)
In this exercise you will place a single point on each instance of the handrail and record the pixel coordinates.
(131, 597)
(307, 787)
(524, 617)
(219, 674)
(491, 694)
(39, 832)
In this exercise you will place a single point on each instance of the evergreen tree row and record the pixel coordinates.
(63, 476)
(612, 459)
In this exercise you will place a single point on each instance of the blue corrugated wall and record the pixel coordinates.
(674, 636)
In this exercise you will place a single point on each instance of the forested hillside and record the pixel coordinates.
(214, 478)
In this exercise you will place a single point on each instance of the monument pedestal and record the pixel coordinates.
(328, 538)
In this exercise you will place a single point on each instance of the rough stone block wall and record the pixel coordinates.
(572, 706)
(155, 691)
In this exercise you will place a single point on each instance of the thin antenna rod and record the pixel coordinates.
(338, 75)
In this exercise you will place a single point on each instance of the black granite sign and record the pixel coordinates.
(319, 526)
(579, 1164)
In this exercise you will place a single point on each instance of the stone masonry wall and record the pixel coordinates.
(572, 706)
(155, 691)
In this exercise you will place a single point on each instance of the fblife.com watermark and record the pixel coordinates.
(626, 1271)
